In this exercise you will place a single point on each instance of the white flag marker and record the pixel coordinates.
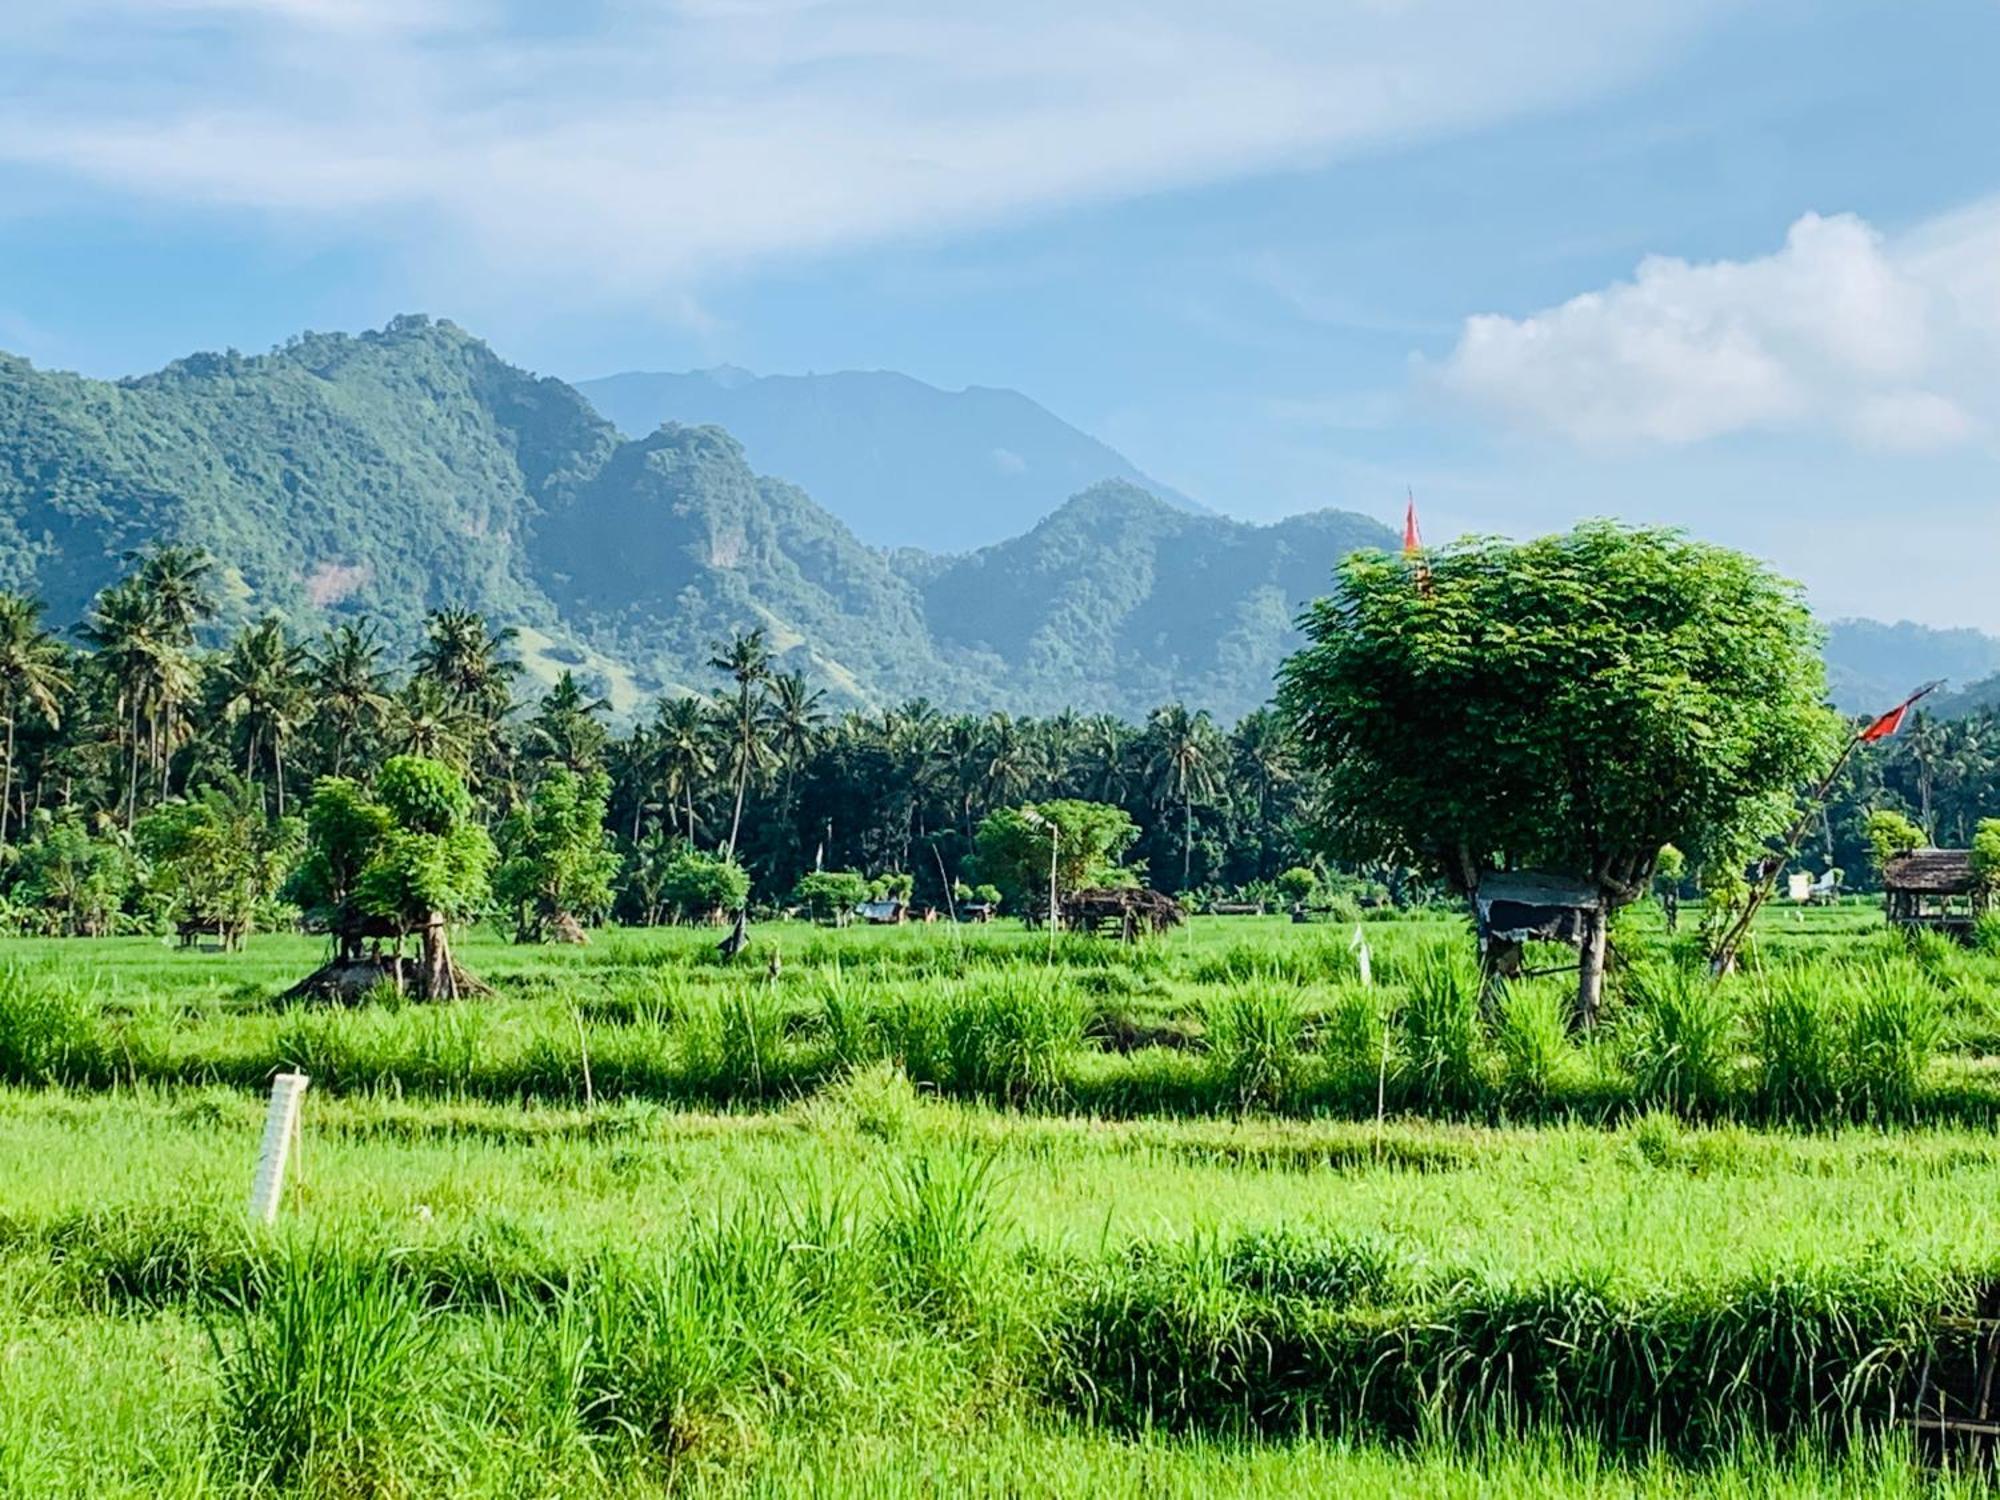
(281, 1128)
(1358, 946)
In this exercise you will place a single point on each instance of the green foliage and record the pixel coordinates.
(556, 856)
(830, 894)
(698, 887)
(346, 830)
(1442, 1035)
(1014, 846)
(216, 861)
(1679, 1034)
(1890, 834)
(1572, 703)
(1986, 852)
(73, 881)
(1254, 1032)
(1299, 884)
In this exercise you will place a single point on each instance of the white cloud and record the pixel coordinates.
(1884, 341)
(638, 143)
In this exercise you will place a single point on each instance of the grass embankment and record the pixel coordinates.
(488, 1300)
(1860, 1027)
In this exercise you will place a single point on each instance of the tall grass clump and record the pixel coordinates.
(1537, 1058)
(1896, 1021)
(1353, 1043)
(328, 1378)
(1679, 1029)
(644, 1358)
(48, 1029)
(1011, 1036)
(934, 1237)
(1254, 1031)
(1798, 1028)
(734, 1042)
(1442, 1034)
(1986, 934)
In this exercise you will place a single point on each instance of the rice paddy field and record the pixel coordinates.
(963, 1211)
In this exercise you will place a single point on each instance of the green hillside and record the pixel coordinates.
(399, 471)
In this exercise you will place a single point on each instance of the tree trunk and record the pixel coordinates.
(437, 980)
(7, 783)
(1590, 968)
(736, 821)
(278, 763)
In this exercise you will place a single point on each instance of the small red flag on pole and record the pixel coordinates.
(1892, 721)
(1413, 539)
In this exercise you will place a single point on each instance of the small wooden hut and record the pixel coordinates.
(1935, 888)
(1125, 911)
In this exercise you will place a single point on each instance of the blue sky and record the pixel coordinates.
(1731, 266)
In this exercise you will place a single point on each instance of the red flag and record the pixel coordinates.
(1892, 721)
(1413, 540)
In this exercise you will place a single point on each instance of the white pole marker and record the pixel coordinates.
(281, 1128)
(1359, 945)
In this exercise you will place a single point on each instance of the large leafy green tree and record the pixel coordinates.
(215, 861)
(1081, 842)
(1570, 704)
(557, 862)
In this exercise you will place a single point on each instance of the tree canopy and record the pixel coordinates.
(1570, 704)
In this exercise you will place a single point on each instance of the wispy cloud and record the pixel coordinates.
(640, 144)
(1888, 342)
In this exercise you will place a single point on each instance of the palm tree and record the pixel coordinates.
(32, 675)
(566, 729)
(680, 752)
(1008, 761)
(352, 688)
(1265, 758)
(426, 720)
(1182, 764)
(1103, 766)
(469, 661)
(747, 660)
(796, 720)
(175, 579)
(261, 685)
(136, 657)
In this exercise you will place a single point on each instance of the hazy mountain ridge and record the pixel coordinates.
(903, 463)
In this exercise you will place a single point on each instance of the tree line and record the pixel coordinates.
(129, 741)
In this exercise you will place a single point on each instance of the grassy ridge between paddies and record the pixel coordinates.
(1259, 1017)
(471, 1299)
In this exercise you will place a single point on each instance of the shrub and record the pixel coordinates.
(828, 895)
(1353, 1046)
(699, 887)
(734, 1042)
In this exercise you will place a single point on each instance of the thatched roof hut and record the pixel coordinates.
(1126, 911)
(1934, 888)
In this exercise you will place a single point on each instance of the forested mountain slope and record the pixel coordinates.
(399, 471)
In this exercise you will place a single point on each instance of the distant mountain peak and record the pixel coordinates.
(902, 462)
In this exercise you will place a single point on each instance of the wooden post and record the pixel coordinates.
(281, 1128)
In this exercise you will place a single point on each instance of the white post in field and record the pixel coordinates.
(1359, 945)
(281, 1128)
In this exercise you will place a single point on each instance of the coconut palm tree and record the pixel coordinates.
(261, 687)
(747, 660)
(33, 675)
(796, 720)
(566, 729)
(681, 757)
(469, 661)
(425, 719)
(1182, 762)
(351, 688)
